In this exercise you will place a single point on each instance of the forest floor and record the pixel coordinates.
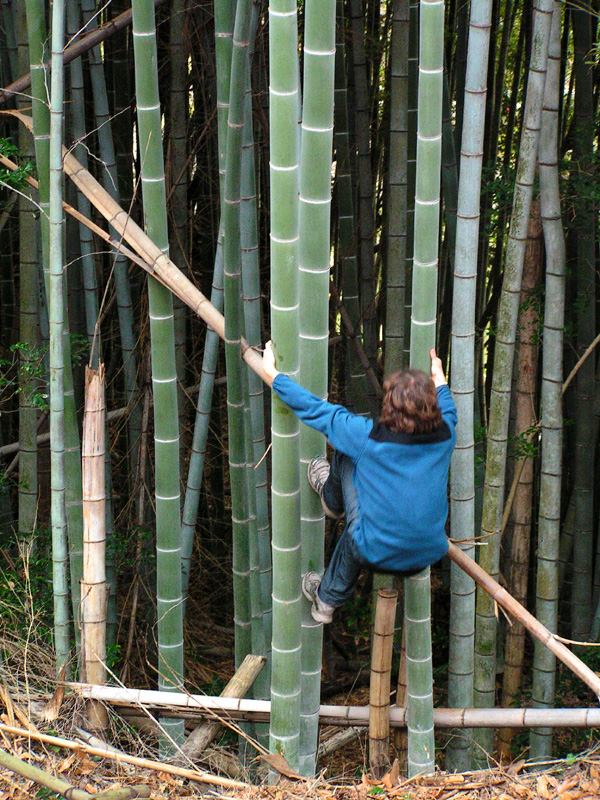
(564, 780)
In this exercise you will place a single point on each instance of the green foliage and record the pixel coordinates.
(80, 348)
(22, 371)
(526, 444)
(16, 179)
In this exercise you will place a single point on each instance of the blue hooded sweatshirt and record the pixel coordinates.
(400, 478)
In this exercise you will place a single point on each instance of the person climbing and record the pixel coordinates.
(389, 477)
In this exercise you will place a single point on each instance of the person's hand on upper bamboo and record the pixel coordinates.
(437, 371)
(268, 362)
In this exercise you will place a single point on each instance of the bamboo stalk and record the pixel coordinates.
(74, 50)
(343, 716)
(93, 587)
(379, 695)
(503, 598)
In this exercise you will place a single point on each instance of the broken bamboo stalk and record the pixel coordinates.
(189, 705)
(534, 626)
(379, 692)
(238, 686)
(64, 788)
(93, 585)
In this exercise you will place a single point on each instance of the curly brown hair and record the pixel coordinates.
(410, 402)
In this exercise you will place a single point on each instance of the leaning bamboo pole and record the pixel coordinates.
(504, 599)
(193, 706)
(155, 261)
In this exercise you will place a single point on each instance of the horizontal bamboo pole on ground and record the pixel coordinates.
(520, 613)
(358, 716)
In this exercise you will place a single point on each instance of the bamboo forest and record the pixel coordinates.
(359, 182)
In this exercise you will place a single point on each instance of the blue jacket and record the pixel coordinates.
(401, 479)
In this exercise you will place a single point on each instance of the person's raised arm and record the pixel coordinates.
(437, 371)
(268, 361)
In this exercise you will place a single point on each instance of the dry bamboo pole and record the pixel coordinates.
(93, 585)
(83, 220)
(157, 263)
(74, 50)
(171, 769)
(503, 598)
(62, 787)
(379, 693)
(192, 706)
(238, 686)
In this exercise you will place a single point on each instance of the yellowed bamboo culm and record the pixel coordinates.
(165, 271)
(93, 585)
(381, 671)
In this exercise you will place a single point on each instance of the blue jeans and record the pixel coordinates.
(346, 562)
(341, 575)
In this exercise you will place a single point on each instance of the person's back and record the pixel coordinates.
(401, 477)
(390, 477)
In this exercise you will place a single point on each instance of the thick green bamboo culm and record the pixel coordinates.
(255, 456)
(348, 262)
(285, 488)
(237, 380)
(486, 620)
(396, 210)
(314, 277)
(70, 444)
(421, 747)
(462, 474)
(110, 181)
(549, 524)
(56, 310)
(164, 379)
(28, 311)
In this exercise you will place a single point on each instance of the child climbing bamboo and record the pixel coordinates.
(389, 478)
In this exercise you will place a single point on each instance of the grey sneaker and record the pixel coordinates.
(320, 611)
(318, 472)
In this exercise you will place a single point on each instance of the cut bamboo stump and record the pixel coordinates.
(238, 686)
(93, 585)
(379, 695)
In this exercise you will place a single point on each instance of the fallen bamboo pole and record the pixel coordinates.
(534, 626)
(259, 710)
(74, 50)
(238, 686)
